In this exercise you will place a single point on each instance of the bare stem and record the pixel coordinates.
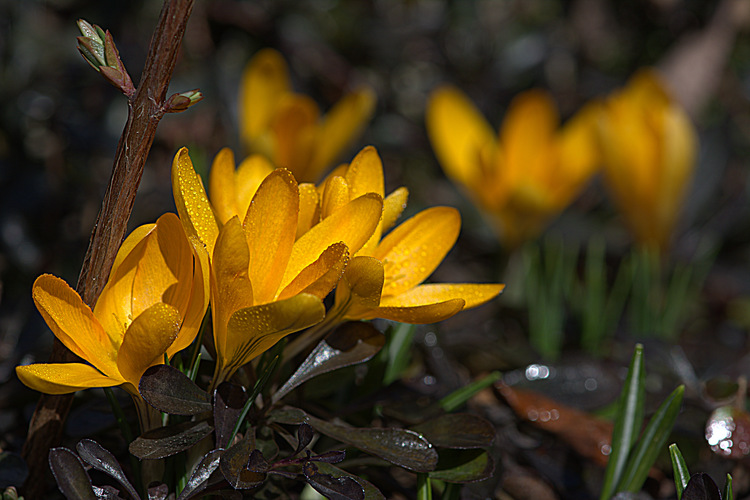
(145, 109)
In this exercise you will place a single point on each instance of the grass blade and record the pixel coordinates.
(680, 468)
(728, 493)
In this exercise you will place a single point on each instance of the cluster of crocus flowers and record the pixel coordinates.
(648, 149)
(528, 174)
(288, 127)
(152, 305)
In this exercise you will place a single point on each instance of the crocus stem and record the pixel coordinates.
(127, 432)
(145, 109)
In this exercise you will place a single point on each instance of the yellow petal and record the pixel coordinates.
(146, 341)
(362, 283)
(365, 173)
(320, 277)
(579, 152)
(417, 315)
(195, 211)
(472, 294)
(352, 225)
(230, 286)
(393, 206)
(309, 208)
(250, 174)
(458, 132)
(264, 82)
(221, 186)
(343, 123)
(198, 303)
(271, 227)
(335, 196)
(256, 329)
(63, 378)
(293, 130)
(412, 251)
(74, 324)
(130, 242)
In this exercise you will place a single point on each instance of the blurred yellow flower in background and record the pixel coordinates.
(648, 147)
(528, 174)
(266, 282)
(153, 304)
(287, 127)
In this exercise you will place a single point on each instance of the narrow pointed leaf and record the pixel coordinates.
(168, 441)
(102, 460)
(199, 478)
(463, 466)
(701, 487)
(728, 491)
(233, 464)
(652, 442)
(351, 343)
(169, 390)
(334, 488)
(399, 446)
(457, 430)
(330, 457)
(680, 469)
(627, 424)
(229, 399)
(70, 475)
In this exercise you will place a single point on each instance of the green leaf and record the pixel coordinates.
(680, 469)
(424, 488)
(651, 443)
(398, 351)
(728, 493)
(463, 466)
(457, 398)
(627, 424)
(457, 430)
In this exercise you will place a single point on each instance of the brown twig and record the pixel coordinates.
(145, 109)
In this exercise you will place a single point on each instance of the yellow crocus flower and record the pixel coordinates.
(648, 147)
(528, 174)
(266, 282)
(152, 304)
(287, 127)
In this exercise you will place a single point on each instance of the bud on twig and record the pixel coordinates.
(98, 48)
(178, 103)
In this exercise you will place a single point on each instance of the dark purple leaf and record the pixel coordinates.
(463, 466)
(330, 457)
(333, 488)
(257, 463)
(158, 492)
(198, 481)
(351, 343)
(304, 436)
(107, 493)
(233, 464)
(457, 430)
(371, 492)
(228, 402)
(169, 390)
(701, 487)
(288, 415)
(102, 460)
(398, 446)
(167, 441)
(70, 475)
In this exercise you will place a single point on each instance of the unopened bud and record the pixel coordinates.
(182, 101)
(98, 48)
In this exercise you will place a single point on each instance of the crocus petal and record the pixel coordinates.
(393, 206)
(472, 294)
(63, 378)
(417, 315)
(248, 177)
(320, 277)
(293, 129)
(264, 82)
(195, 211)
(271, 227)
(412, 251)
(221, 186)
(352, 225)
(343, 123)
(362, 283)
(74, 324)
(130, 242)
(309, 208)
(256, 329)
(579, 151)
(457, 132)
(335, 196)
(146, 341)
(365, 173)
(231, 287)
